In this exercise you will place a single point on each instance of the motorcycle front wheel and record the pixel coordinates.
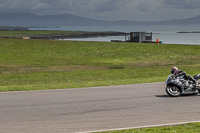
(173, 91)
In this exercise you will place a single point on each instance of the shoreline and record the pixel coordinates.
(80, 35)
(189, 32)
(18, 32)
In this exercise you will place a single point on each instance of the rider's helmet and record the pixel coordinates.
(174, 70)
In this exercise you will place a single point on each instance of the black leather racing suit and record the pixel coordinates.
(184, 74)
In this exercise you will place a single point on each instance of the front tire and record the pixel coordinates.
(173, 91)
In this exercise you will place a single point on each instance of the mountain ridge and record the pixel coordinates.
(29, 19)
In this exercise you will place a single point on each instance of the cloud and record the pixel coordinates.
(185, 4)
(107, 9)
(76, 5)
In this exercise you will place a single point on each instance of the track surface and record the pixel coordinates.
(97, 108)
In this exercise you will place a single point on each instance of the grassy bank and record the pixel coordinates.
(46, 34)
(34, 33)
(45, 64)
(187, 128)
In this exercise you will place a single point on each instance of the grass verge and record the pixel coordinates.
(186, 128)
(50, 64)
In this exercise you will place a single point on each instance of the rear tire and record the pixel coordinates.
(173, 91)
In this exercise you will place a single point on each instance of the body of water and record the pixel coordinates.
(166, 33)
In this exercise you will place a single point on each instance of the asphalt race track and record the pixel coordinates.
(96, 108)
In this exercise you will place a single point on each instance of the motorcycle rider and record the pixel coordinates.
(176, 73)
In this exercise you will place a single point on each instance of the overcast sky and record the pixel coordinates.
(108, 9)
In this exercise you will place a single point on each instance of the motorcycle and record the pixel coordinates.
(177, 86)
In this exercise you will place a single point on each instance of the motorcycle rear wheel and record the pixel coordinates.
(173, 91)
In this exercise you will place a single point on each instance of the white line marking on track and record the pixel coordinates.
(159, 125)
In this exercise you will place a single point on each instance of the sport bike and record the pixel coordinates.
(177, 86)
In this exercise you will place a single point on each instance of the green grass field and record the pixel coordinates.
(50, 64)
(187, 128)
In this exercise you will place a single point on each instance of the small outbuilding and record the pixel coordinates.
(140, 37)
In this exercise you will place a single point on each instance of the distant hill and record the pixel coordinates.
(188, 21)
(13, 28)
(29, 19)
